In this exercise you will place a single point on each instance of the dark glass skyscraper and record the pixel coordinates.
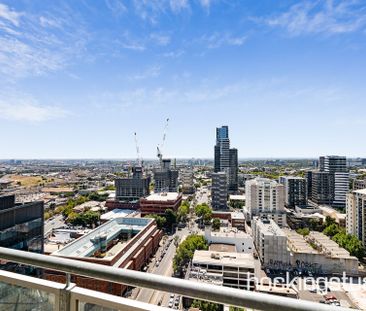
(226, 159)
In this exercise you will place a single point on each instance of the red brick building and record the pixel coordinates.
(121, 243)
(158, 203)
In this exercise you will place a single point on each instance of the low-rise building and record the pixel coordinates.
(242, 241)
(122, 243)
(286, 250)
(236, 270)
(158, 203)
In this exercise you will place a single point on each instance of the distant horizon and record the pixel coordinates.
(172, 158)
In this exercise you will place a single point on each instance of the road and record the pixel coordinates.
(165, 267)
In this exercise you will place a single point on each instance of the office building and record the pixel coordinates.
(356, 214)
(186, 177)
(222, 149)
(265, 197)
(158, 203)
(219, 191)
(165, 178)
(226, 159)
(21, 225)
(295, 191)
(230, 269)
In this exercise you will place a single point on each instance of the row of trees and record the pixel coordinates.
(186, 249)
(204, 212)
(350, 242)
(85, 219)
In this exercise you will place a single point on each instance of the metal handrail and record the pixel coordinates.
(218, 294)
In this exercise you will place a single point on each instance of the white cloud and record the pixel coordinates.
(173, 54)
(151, 72)
(179, 5)
(19, 107)
(160, 39)
(206, 3)
(33, 47)
(328, 17)
(116, 6)
(10, 15)
(217, 40)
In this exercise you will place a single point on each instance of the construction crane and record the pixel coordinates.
(139, 162)
(160, 147)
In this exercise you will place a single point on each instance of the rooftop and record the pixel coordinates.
(91, 242)
(163, 196)
(361, 191)
(227, 259)
(226, 248)
(117, 213)
(269, 227)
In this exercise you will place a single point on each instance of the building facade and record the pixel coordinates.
(166, 178)
(295, 191)
(265, 197)
(356, 214)
(219, 191)
(186, 177)
(226, 159)
(330, 183)
(158, 203)
(21, 225)
(132, 189)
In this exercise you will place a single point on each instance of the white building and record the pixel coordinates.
(226, 269)
(356, 217)
(266, 197)
(242, 241)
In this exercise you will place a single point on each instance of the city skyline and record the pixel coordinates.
(79, 79)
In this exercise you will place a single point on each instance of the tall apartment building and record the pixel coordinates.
(337, 166)
(219, 191)
(186, 177)
(356, 214)
(166, 178)
(322, 187)
(330, 183)
(295, 191)
(266, 197)
(226, 159)
(132, 189)
(233, 170)
(21, 225)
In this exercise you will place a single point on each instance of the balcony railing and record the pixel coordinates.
(28, 293)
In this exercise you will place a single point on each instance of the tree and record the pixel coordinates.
(185, 250)
(160, 220)
(329, 221)
(204, 212)
(206, 305)
(183, 211)
(171, 218)
(216, 223)
(303, 231)
(331, 230)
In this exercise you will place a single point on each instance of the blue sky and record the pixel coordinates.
(78, 78)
